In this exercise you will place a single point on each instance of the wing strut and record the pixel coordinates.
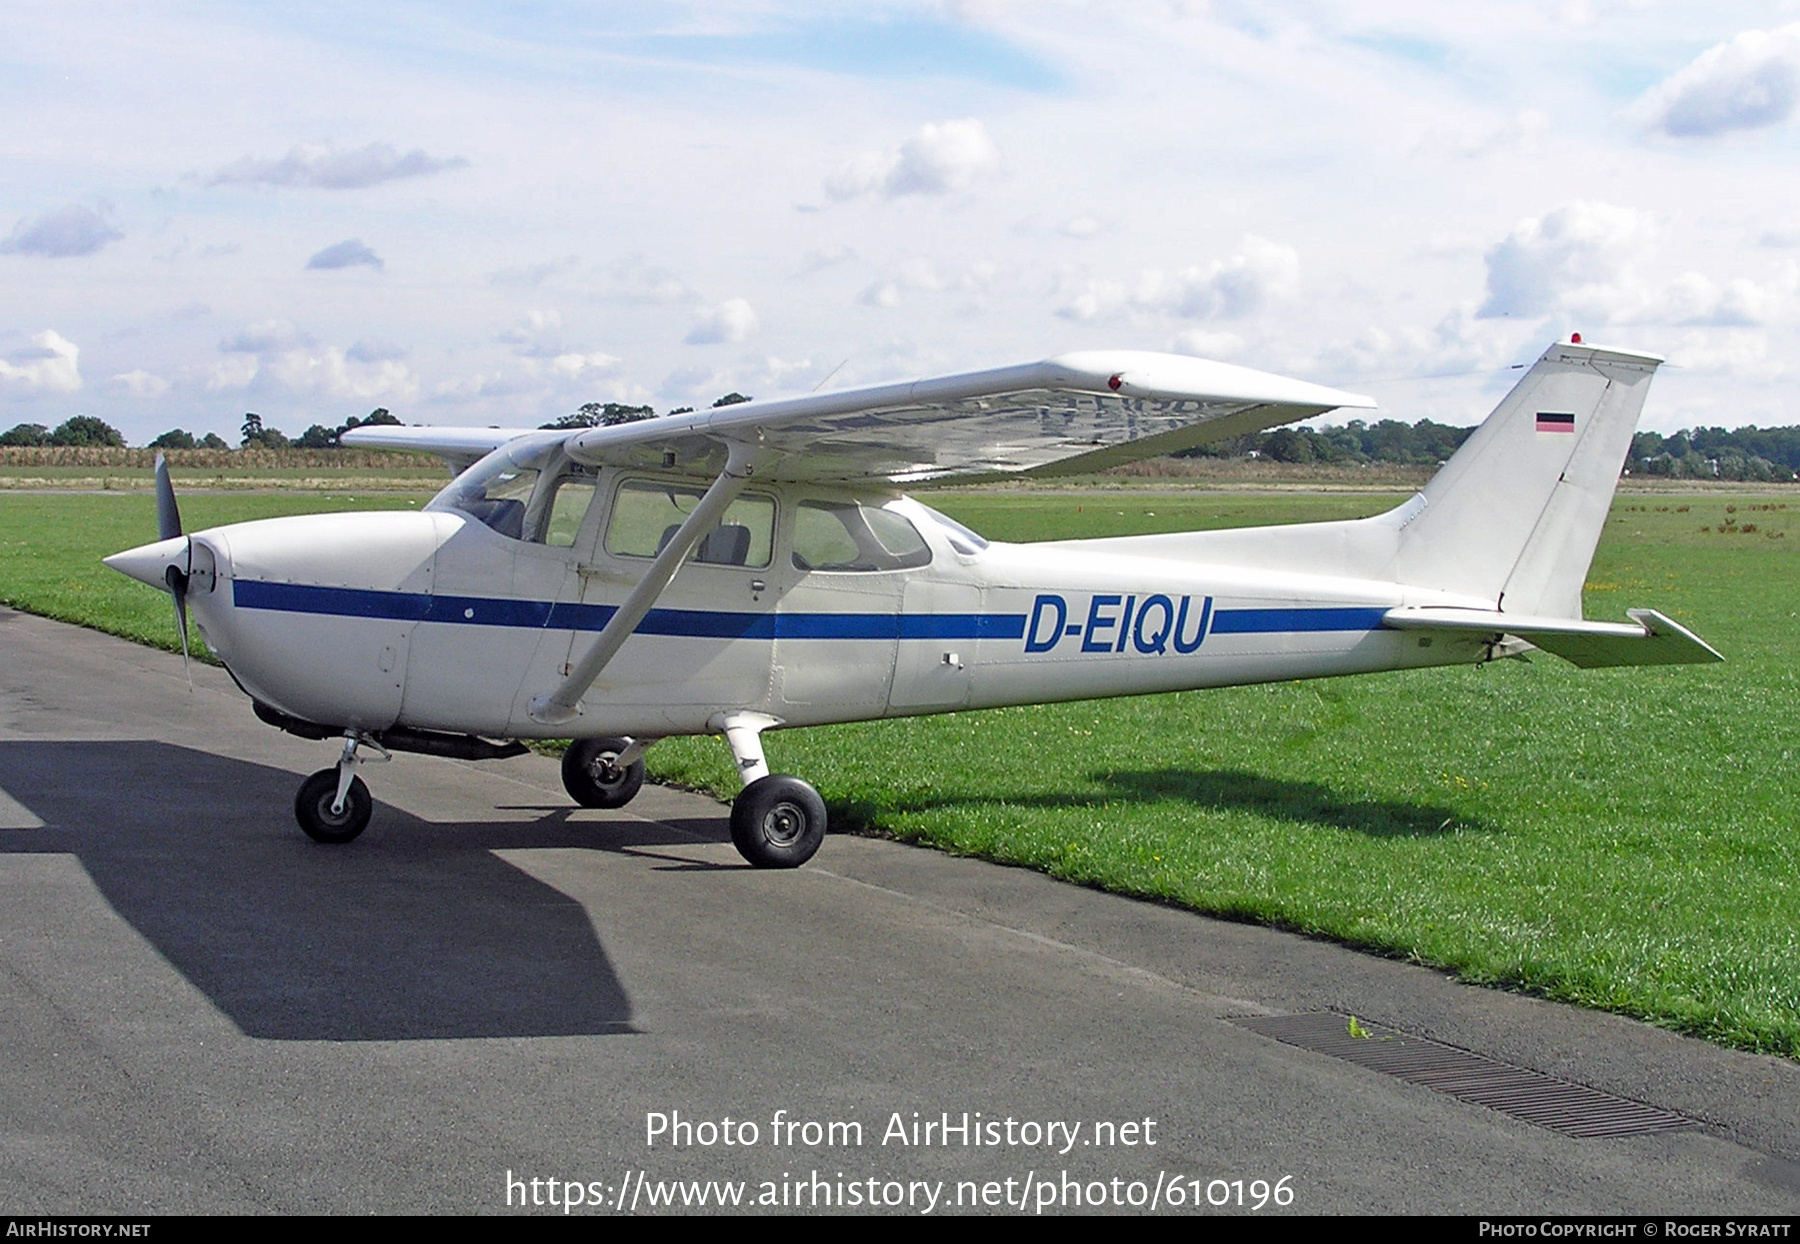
(563, 704)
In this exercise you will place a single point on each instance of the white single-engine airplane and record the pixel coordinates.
(734, 570)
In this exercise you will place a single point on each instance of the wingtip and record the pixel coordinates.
(1138, 373)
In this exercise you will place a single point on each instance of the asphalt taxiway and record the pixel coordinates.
(206, 1012)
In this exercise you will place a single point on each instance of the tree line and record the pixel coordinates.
(1748, 453)
(89, 431)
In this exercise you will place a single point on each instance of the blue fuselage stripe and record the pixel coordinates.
(1263, 621)
(564, 616)
(722, 624)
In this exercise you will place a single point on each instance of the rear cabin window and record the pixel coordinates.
(961, 538)
(646, 516)
(845, 536)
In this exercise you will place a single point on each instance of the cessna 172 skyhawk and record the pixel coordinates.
(734, 570)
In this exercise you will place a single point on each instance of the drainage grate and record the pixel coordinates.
(1572, 1109)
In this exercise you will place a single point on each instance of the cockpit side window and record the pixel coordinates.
(562, 502)
(646, 515)
(845, 536)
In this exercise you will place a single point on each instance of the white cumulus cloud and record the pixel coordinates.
(372, 350)
(1209, 345)
(495, 384)
(1519, 134)
(922, 276)
(1694, 298)
(733, 320)
(49, 364)
(1577, 256)
(349, 253)
(819, 259)
(1739, 353)
(274, 356)
(1582, 258)
(1453, 344)
(61, 233)
(1258, 273)
(914, 274)
(327, 372)
(265, 337)
(323, 166)
(635, 280)
(940, 158)
(1751, 82)
(231, 373)
(529, 276)
(538, 335)
(572, 365)
(140, 383)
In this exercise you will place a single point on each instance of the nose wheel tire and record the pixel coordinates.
(593, 777)
(778, 822)
(312, 808)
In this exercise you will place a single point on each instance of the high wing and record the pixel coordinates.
(461, 448)
(1070, 414)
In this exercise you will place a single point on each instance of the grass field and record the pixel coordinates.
(1623, 839)
(51, 545)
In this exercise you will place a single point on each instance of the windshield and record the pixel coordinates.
(498, 490)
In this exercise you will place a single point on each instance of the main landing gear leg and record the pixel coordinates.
(777, 821)
(334, 805)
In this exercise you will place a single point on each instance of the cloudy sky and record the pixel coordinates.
(490, 213)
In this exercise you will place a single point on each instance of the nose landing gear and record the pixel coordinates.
(317, 809)
(334, 805)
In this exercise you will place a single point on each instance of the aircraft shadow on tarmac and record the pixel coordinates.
(417, 931)
(1307, 803)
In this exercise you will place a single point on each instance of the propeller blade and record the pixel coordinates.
(168, 514)
(168, 523)
(178, 586)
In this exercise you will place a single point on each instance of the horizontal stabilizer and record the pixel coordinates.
(1649, 639)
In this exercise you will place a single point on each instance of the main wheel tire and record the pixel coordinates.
(778, 822)
(593, 778)
(312, 808)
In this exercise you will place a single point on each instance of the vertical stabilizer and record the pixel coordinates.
(1515, 514)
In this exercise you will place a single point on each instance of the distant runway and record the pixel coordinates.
(492, 989)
